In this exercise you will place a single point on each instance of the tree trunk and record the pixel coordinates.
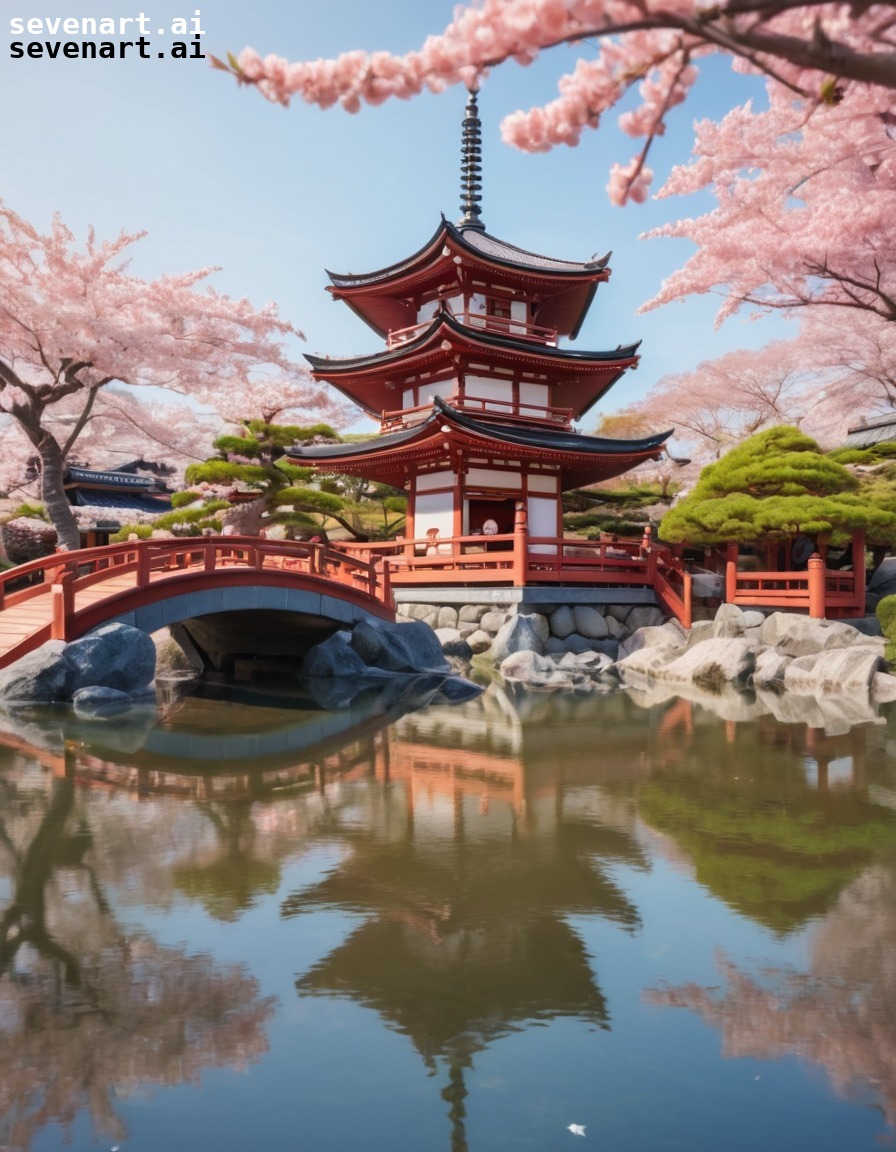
(53, 494)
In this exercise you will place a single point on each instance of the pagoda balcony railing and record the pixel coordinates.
(515, 411)
(498, 325)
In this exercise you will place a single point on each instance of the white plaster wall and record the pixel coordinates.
(542, 521)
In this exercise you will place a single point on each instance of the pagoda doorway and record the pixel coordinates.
(493, 517)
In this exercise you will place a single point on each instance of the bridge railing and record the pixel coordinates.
(64, 574)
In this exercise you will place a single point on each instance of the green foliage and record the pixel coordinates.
(876, 454)
(225, 472)
(32, 511)
(777, 483)
(886, 615)
(309, 500)
(295, 473)
(631, 495)
(182, 499)
(141, 531)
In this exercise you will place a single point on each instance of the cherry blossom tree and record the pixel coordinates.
(74, 320)
(814, 50)
(804, 213)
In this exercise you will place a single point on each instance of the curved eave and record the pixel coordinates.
(380, 298)
(580, 459)
(583, 377)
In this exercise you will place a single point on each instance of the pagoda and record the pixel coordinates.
(475, 396)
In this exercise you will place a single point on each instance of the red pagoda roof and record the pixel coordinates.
(375, 381)
(454, 257)
(446, 432)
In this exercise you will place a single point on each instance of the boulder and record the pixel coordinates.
(426, 612)
(769, 669)
(334, 658)
(528, 667)
(521, 633)
(802, 636)
(715, 663)
(493, 621)
(883, 579)
(410, 647)
(562, 622)
(644, 616)
(472, 613)
(479, 641)
(114, 656)
(453, 644)
(446, 617)
(43, 676)
(98, 703)
(573, 643)
(666, 635)
(645, 662)
(589, 622)
(849, 670)
(883, 688)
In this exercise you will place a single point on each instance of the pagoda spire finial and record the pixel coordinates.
(471, 171)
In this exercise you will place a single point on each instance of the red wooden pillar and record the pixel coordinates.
(858, 568)
(816, 571)
(520, 544)
(731, 574)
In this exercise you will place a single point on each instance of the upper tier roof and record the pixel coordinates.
(454, 257)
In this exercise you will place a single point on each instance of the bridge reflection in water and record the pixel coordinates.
(470, 841)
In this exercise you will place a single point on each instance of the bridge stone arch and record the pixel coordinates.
(216, 626)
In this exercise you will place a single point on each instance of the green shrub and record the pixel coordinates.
(886, 615)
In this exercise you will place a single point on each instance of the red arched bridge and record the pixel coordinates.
(153, 583)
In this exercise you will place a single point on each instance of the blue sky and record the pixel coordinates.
(218, 176)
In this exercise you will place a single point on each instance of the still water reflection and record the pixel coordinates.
(253, 923)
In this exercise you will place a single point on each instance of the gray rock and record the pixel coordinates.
(114, 656)
(472, 613)
(619, 612)
(562, 622)
(493, 621)
(769, 669)
(574, 643)
(333, 658)
(44, 676)
(479, 641)
(614, 628)
(883, 579)
(527, 666)
(453, 644)
(412, 647)
(447, 617)
(644, 616)
(848, 670)
(799, 675)
(883, 688)
(521, 633)
(663, 635)
(645, 662)
(98, 703)
(714, 663)
(802, 636)
(426, 612)
(728, 621)
(455, 690)
(589, 622)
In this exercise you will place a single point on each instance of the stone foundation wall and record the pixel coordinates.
(469, 629)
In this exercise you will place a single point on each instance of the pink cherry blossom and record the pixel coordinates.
(74, 321)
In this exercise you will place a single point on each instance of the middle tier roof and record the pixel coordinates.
(445, 346)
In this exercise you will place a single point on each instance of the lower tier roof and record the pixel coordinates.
(445, 434)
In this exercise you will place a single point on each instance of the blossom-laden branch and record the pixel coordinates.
(813, 49)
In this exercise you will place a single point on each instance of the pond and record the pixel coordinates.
(250, 923)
